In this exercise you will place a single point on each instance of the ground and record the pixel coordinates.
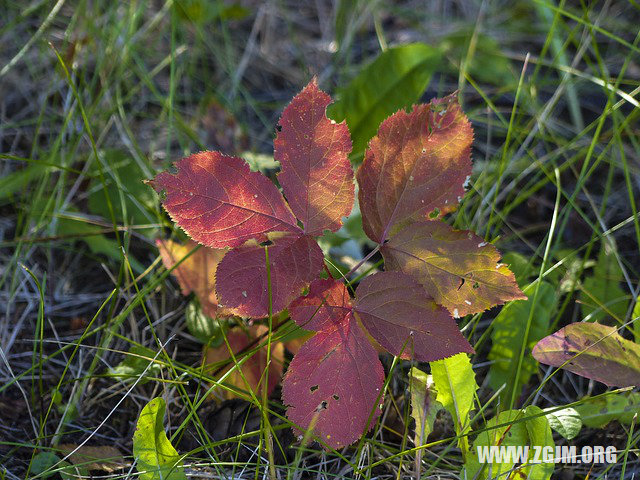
(552, 93)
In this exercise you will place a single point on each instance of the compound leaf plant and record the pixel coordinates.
(414, 172)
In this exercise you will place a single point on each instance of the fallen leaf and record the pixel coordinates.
(593, 351)
(195, 274)
(253, 368)
(106, 458)
(156, 457)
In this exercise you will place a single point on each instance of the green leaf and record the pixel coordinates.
(598, 412)
(135, 363)
(566, 422)
(635, 316)
(394, 80)
(509, 332)
(206, 329)
(521, 430)
(43, 462)
(456, 385)
(488, 64)
(520, 267)
(573, 266)
(260, 162)
(156, 457)
(601, 296)
(97, 242)
(206, 11)
(424, 406)
(346, 13)
(18, 181)
(130, 198)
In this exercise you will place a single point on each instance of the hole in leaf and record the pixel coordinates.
(313, 388)
(279, 128)
(172, 169)
(434, 213)
(266, 244)
(336, 397)
(461, 283)
(476, 285)
(321, 406)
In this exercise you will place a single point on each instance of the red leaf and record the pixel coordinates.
(196, 274)
(458, 268)
(399, 315)
(332, 385)
(313, 152)
(242, 281)
(219, 202)
(415, 168)
(327, 304)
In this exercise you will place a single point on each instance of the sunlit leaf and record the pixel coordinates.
(635, 317)
(220, 203)
(456, 384)
(566, 422)
(156, 457)
(401, 317)
(520, 429)
(416, 168)
(313, 152)
(593, 351)
(458, 268)
(332, 385)
(195, 274)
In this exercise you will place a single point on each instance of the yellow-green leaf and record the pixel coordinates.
(456, 385)
(156, 457)
(457, 268)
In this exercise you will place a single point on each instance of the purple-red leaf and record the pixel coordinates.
(458, 268)
(313, 152)
(399, 315)
(593, 351)
(327, 304)
(415, 168)
(332, 385)
(242, 280)
(220, 203)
